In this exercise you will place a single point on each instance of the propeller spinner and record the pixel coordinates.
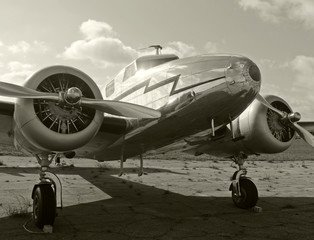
(73, 96)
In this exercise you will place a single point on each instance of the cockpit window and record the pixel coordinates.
(144, 64)
(129, 71)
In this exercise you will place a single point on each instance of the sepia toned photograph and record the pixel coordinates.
(156, 120)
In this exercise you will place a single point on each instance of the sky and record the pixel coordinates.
(102, 36)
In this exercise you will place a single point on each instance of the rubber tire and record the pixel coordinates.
(44, 205)
(249, 194)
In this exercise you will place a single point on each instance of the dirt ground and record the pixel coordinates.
(177, 199)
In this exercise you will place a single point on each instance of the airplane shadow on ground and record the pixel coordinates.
(138, 211)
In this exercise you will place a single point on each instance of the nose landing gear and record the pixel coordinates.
(44, 205)
(243, 190)
(44, 194)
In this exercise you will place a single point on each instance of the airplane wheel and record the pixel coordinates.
(44, 205)
(249, 194)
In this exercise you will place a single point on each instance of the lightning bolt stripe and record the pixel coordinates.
(175, 91)
(173, 79)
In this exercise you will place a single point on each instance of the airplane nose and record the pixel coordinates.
(252, 72)
(243, 76)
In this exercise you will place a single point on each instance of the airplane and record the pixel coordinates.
(205, 104)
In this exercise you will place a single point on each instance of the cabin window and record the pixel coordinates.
(110, 89)
(129, 71)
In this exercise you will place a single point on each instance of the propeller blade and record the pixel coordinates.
(267, 104)
(307, 136)
(121, 108)
(111, 107)
(12, 90)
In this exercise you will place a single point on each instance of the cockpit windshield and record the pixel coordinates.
(147, 62)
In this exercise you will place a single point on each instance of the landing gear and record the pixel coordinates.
(44, 205)
(141, 168)
(44, 195)
(244, 191)
(249, 195)
(123, 159)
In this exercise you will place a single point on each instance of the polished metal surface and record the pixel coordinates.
(166, 97)
(190, 93)
(73, 96)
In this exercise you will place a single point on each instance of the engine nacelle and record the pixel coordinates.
(262, 129)
(257, 130)
(44, 126)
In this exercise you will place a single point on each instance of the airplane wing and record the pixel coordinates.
(112, 128)
(147, 132)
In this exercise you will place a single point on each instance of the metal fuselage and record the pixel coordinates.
(193, 94)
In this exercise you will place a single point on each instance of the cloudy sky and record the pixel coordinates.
(101, 36)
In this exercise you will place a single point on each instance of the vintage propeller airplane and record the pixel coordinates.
(203, 104)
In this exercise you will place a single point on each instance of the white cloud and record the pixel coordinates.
(16, 72)
(277, 10)
(303, 11)
(16, 66)
(39, 46)
(92, 29)
(15, 77)
(99, 46)
(101, 50)
(180, 49)
(20, 47)
(26, 47)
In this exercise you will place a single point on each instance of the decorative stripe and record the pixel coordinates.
(174, 79)
(131, 90)
(174, 91)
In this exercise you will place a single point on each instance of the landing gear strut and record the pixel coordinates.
(244, 191)
(44, 194)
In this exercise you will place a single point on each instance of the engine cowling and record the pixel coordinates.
(262, 129)
(47, 126)
(257, 130)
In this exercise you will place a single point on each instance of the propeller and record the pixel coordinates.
(12, 90)
(289, 119)
(268, 105)
(121, 108)
(73, 96)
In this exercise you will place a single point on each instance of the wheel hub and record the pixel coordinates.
(35, 208)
